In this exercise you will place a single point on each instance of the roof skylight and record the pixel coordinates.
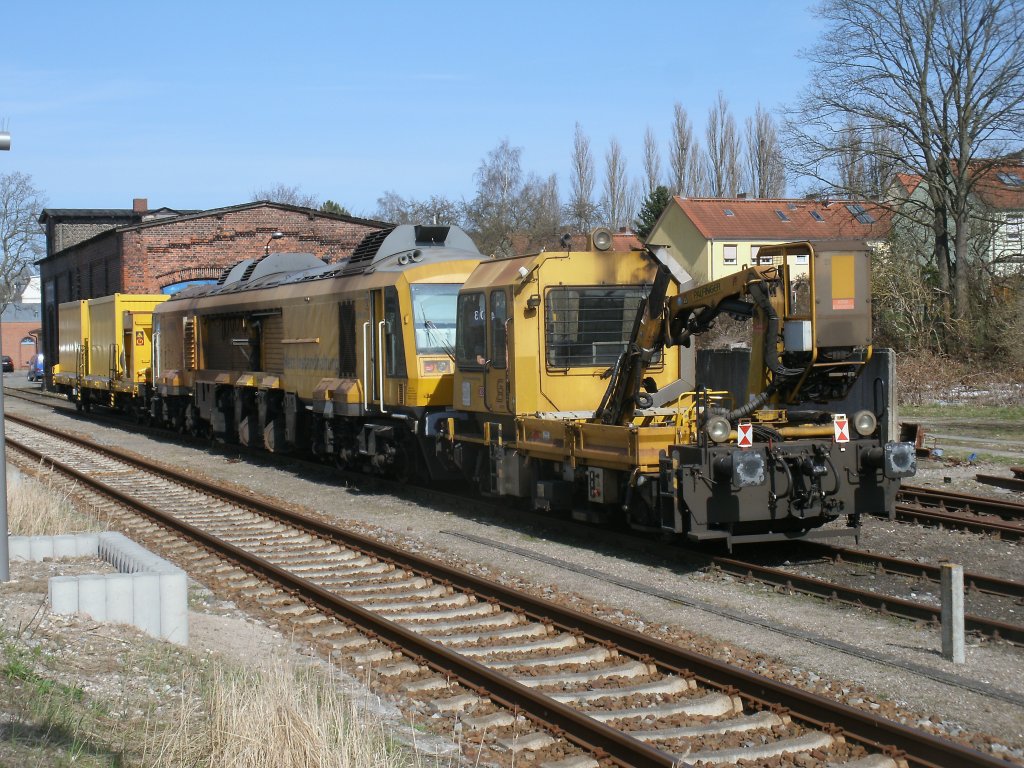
(781, 215)
(860, 214)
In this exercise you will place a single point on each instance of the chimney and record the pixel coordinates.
(140, 205)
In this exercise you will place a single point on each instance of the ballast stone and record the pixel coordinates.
(148, 592)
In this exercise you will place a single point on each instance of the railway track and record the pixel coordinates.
(962, 511)
(789, 579)
(523, 675)
(1014, 483)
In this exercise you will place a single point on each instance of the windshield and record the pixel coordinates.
(433, 308)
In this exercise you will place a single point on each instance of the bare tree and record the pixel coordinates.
(615, 202)
(680, 154)
(494, 213)
(289, 195)
(722, 151)
(940, 83)
(436, 209)
(766, 171)
(21, 237)
(652, 161)
(581, 211)
(697, 183)
(540, 213)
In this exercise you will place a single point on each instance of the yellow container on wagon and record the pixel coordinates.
(73, 343)
(120, 341)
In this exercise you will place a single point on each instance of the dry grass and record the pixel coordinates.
(278, 717)
(925, 378)
(41, 507)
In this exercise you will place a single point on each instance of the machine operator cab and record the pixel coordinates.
(540, 334)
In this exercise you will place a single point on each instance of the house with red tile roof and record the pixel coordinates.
(997, 230)
(714, 237)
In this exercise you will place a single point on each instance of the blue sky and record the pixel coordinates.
(196, 105)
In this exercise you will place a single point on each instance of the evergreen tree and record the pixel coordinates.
(653, 205)
(329, 206)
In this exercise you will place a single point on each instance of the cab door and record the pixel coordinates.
(374, 351)
(385, 372)
(498, 370)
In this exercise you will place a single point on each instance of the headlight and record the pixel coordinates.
(718, 429)
(864, 422)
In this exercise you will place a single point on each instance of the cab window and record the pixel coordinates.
(589, 326)
(499, 316)
(395, 355)
(471, 331)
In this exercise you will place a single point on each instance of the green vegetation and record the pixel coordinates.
(1006, 415)
(49, 723)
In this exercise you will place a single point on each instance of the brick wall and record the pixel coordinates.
(13, 333)
(203, 247)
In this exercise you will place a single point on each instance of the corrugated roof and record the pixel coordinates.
(785, 219)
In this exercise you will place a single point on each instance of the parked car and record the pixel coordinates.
(35, 368)
(8, 364)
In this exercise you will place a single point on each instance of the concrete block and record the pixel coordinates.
(87, 545)
(120, 605)
(146, 602)
(65, 546)
(18, 548)
(174, 607)
(148, 591)
(92, 596)
(62, 592)
(41, 547)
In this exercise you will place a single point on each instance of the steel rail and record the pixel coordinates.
(972, 581)
(1001, 528)
(885, 604)
(1000, 481)
(585, 732)
(921, 749)
(958, 500)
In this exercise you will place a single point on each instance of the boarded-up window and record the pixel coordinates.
(347, 339)
(228, 344)
(272, 332)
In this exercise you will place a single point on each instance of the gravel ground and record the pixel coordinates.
(805, 652)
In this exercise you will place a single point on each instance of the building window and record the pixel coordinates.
(1013, 225)
(781, 215)
(755, 259)
(729, 255)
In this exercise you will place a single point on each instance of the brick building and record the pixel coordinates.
(21, 328)
(98, 252)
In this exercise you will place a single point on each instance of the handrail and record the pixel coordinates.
(366, 371)
(380, 362)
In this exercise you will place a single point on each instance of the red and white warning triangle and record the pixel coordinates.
(841, 426)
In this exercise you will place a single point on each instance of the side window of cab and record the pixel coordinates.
(471, 331)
